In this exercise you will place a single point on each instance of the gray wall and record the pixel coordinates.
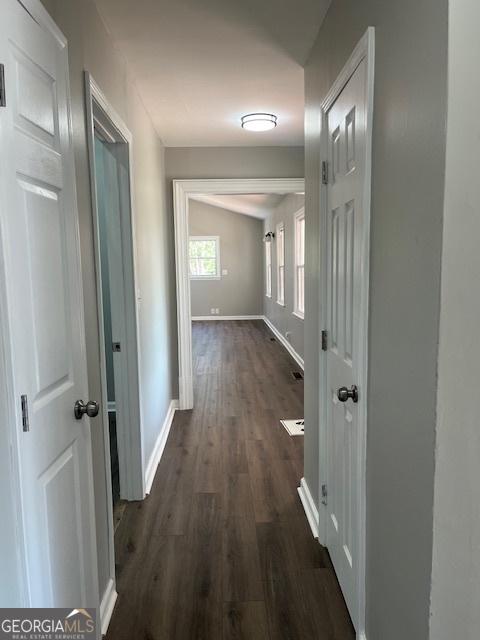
(223, 162)
(239, 293)
(455, 598)
(282, 317)
(91, 48)
(407, 208)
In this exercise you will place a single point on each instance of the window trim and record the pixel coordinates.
(218, 275)
(280, 228)
(268, 267)
(299, 215)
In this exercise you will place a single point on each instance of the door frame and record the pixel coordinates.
(101, 115)
(183, 190)
(365, 50)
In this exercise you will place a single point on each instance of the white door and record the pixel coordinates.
(45, 310)
(345, 232)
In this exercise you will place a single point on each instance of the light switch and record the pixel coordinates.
(224, 272)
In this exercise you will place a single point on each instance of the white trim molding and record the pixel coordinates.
(156, 455)
(365, 50)
(309, 506)
(183, 190)
(107, 605)
(203, 318)
(284, 342)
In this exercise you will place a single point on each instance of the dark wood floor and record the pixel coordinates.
(221, 549)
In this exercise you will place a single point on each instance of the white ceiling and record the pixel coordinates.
(257, 205)
(201, 64)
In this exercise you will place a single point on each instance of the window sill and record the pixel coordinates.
(299, 315)
(199, 278)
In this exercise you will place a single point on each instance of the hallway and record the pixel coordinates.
(221, 548)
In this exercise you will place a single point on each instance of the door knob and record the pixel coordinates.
(344, 393)
(80, 409)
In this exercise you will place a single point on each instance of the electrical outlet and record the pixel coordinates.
(217, 311)
(288, 335)
(212, 312)
(224, 272)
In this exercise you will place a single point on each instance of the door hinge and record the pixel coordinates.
(324, 341)
(25, 420)
(324, 494)
(324, 172)
(3, 97)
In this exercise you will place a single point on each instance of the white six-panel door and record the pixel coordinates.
(345, 232)
(45, 314)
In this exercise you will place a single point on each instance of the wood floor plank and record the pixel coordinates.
(242, 579)
(245, 621)
(221, 548)
(237, 495)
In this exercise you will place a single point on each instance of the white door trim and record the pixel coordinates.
(182, 191)
(365, 50)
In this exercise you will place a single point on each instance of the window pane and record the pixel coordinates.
(194, 248)
(207, 267)
(207, 248)
(281, 284)
(301, 289)
(301, 248)
(193, 267)
(203, 248)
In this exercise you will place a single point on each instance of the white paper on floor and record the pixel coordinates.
(294, 427)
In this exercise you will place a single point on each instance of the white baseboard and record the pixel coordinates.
(156, 454)
(196, 318)
(362, 636)
(298, 359)
(309, 506)
(107, 605)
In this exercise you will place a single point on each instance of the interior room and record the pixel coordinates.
(239, 319)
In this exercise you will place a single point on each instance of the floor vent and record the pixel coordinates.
(294, 427)
(297, 375)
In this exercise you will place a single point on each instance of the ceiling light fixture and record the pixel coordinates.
(259, 121)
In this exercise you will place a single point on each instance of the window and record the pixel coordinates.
(299, 270)
(280, 237)
(268, 269)
(204, 257)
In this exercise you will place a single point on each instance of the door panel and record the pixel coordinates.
(45, 310)
(346, 125)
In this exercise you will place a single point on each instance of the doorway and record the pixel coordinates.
(183, 191)
(107, 177)
(110, 148)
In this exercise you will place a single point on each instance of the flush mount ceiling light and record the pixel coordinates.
(259, 121)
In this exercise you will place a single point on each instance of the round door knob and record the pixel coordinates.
(80, 409)
(345, 394)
